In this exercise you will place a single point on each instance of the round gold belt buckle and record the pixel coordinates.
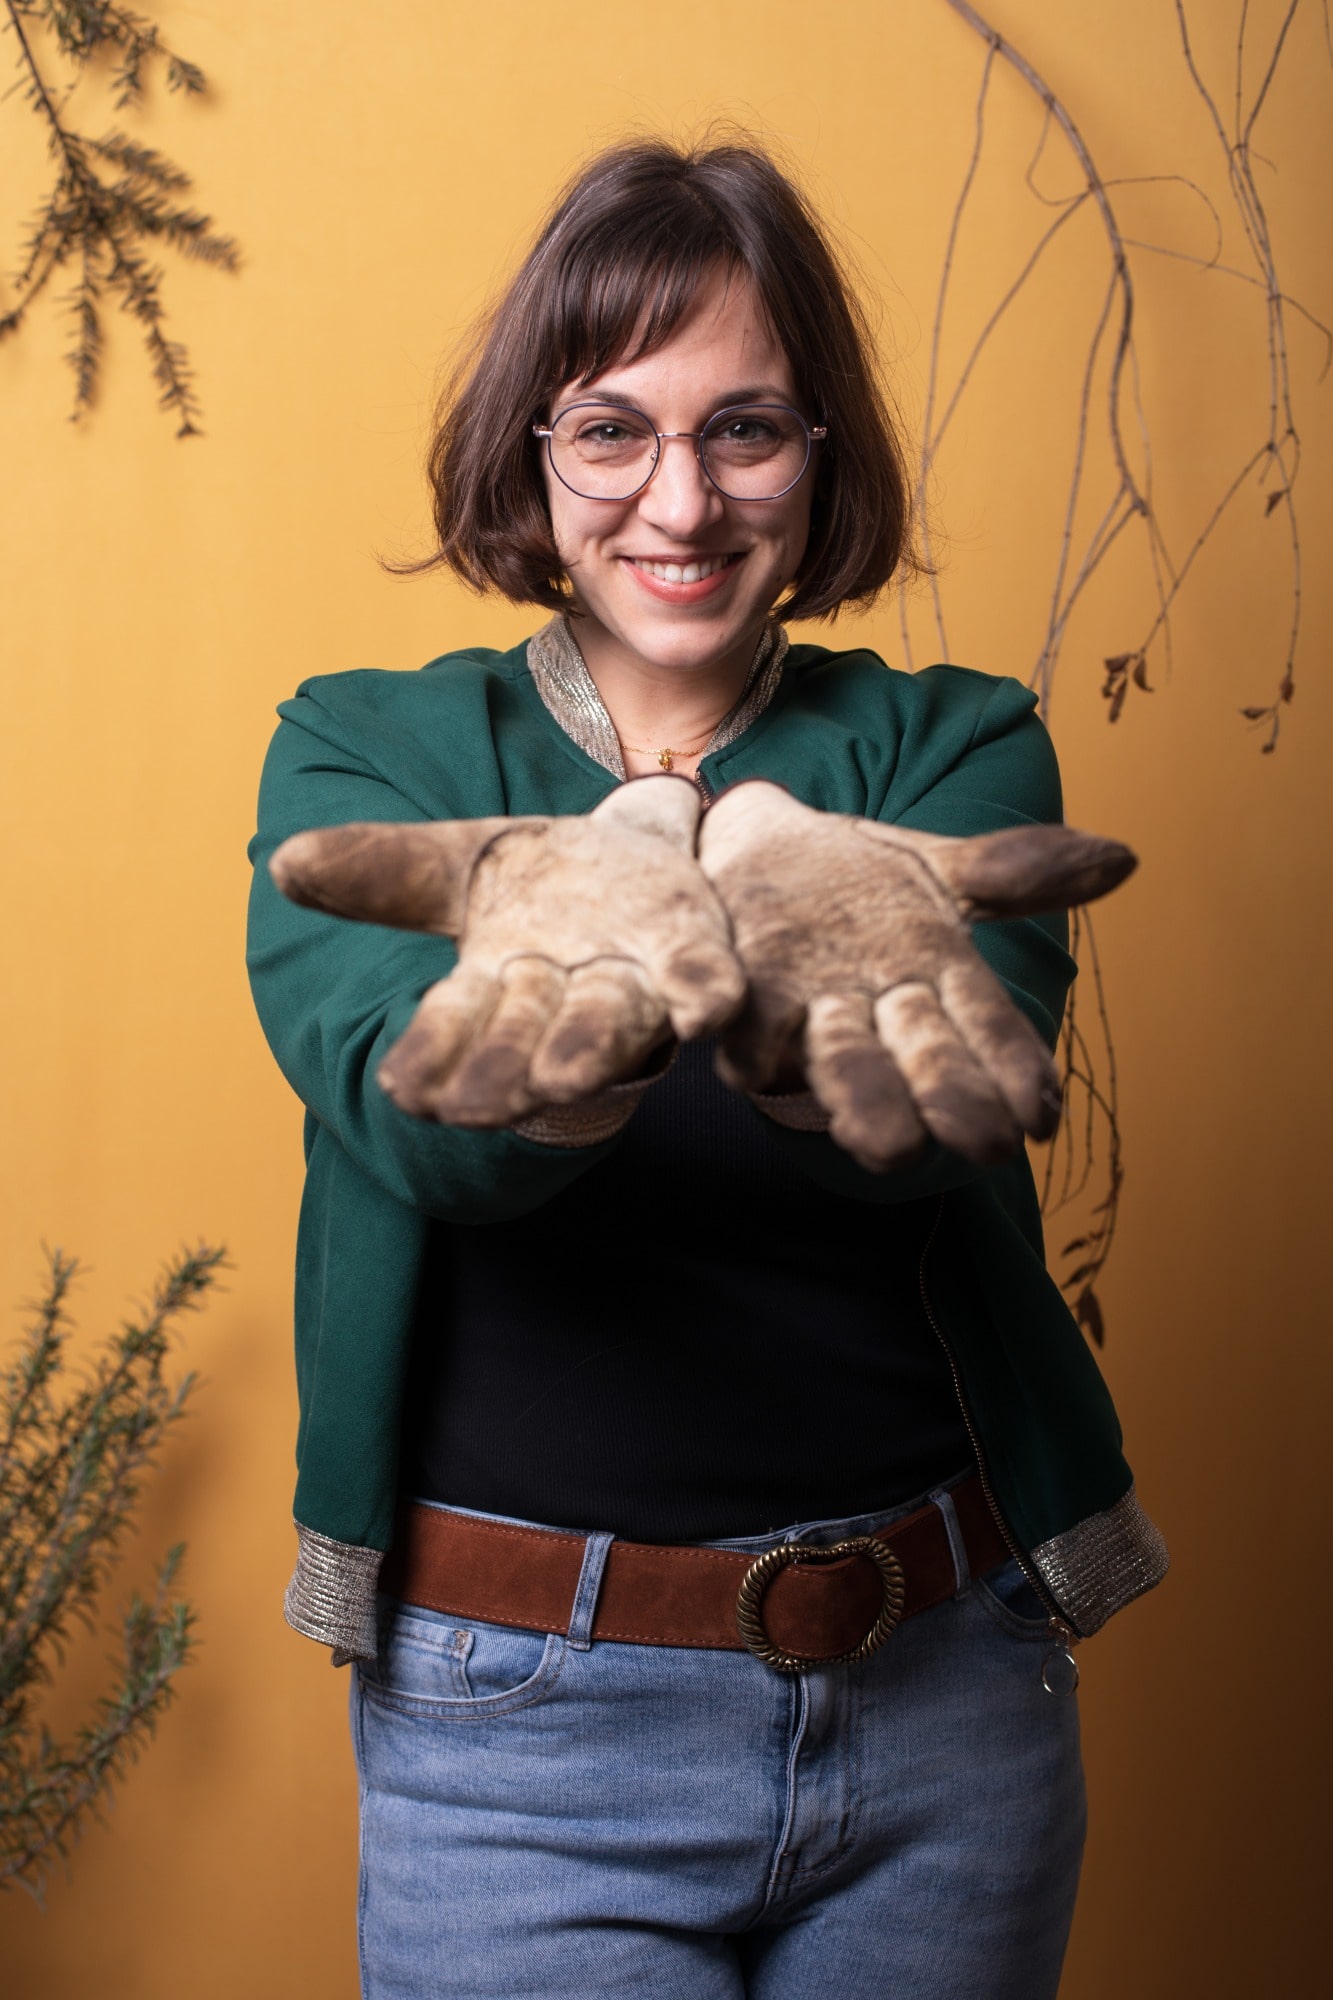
(757, 1578)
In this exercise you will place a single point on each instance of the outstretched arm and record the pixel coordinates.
(855, 938)
(335, 997)
(584, 943)
(1005, 775)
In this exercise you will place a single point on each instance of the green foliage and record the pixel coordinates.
(111, 198)
(71, 1466)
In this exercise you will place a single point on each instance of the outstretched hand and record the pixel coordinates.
(822, 940)
(583, 943)
(855, 938)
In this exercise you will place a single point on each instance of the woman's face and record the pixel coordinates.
(724, 353)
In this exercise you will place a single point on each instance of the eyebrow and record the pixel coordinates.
(761, 392)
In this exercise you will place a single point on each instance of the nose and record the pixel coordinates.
(680, 499)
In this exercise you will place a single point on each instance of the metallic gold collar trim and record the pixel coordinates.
(570, 693)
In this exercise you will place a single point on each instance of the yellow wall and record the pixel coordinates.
(381, 167)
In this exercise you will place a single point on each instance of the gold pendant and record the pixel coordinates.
(666, 758)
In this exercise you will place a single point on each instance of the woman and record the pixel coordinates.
(604, 1333)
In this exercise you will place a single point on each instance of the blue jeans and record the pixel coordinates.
(542, 1817)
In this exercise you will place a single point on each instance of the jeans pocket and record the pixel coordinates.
(1007, 1597)
(434, 1665)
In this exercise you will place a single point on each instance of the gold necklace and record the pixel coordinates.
(666, 757)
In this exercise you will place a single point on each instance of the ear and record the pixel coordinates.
(414, 876)
(1029, 869)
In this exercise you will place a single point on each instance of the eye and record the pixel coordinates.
(747, 430)
(596, 431)
(601, 433)
(752, 436)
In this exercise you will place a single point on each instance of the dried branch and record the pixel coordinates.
(929, 440)
(1277, 459)
(1089, 1146)
(103, 220)
(70, 1477)
(1280, 450)
(1116, 316)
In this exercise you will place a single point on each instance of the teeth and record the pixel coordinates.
(691, 572)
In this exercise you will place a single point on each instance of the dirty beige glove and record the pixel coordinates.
(855, 941)
(583, 942)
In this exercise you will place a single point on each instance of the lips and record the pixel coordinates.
(683, 583)
(690, 572)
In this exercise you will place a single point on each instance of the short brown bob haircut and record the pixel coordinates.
(624, 255)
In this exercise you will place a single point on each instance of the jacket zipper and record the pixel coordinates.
(1059, 1626)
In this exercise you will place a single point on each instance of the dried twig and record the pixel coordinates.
(1088, 1150)
(1111, 351)
(1279, 454)
(1087, 1147)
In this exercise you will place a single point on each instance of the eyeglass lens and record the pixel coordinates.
(606, 453)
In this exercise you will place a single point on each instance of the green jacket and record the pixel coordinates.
(945, 750)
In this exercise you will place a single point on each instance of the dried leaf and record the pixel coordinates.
(1287, 689)
(1256, 714)
(1084, 1271)
(1140, 675)
(1274, 499)
(1079, 1243)
(1088, 1313)
(1118, 701)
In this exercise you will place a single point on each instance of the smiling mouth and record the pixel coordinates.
(690, 572)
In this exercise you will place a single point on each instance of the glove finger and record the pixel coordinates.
(609, 1019)
(449, 1014)
(702, 984)
(755, 1043)
(1026, 870)
(413, 876)
(747, 821)
(1005, 1043)
(669, 806)
(959, 1104)
(490, 1085)
(859, 1084)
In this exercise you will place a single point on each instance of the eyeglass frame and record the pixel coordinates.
(814, 434)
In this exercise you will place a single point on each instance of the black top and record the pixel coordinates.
(691, 1341)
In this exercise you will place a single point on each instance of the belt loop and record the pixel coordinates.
(590, 1586)
(962, 1572)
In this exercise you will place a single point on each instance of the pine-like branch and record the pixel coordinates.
(104, 219)
(70, 1478)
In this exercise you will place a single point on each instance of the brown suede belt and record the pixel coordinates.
(808, 1608)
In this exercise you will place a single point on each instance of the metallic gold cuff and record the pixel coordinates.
(331, 1596)
(592, 1120)
(799, 1111)
(1103, 1563)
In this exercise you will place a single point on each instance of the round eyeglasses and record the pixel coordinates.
(756, 451)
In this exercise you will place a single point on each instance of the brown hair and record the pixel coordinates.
(620, 262)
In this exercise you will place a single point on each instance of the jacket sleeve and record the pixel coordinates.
(333, 996)
(1007, 775)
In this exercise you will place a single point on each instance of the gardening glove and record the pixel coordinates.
(583, 943)
(856, 945)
